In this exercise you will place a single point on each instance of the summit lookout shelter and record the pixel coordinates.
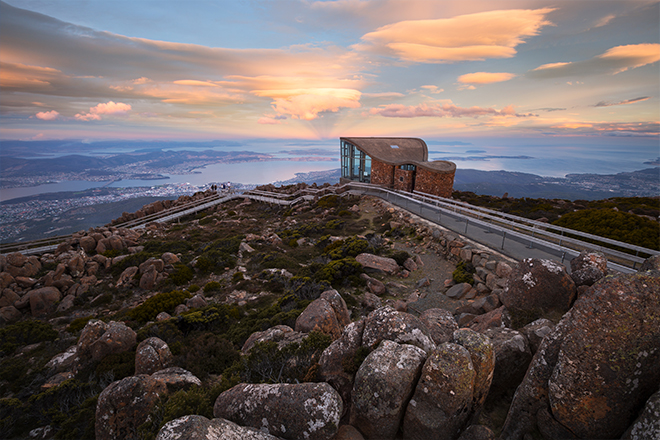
(398, 163)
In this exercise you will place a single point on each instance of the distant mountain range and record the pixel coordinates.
(642, 183)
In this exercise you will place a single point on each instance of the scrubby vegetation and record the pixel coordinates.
(633, 220)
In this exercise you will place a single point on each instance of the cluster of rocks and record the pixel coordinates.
(76, 264)
(589, 376)
(161, 205)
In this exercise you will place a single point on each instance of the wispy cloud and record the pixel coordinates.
(493, 34)
(615, 60)
(469, 80)
(447, 110)
(627, 101)
(308, 103)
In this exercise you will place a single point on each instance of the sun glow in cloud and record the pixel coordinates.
(306, 104)
(492, 34)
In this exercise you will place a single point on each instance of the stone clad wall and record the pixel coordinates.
(381, 173)
(403, 179)
(439, 184)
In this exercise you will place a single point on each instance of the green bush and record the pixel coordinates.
(78, 324)
(161, 302)
(212, 286)
(206, 354)
(25, 333)
(350, 247)
(117, 365)
(266, 363)
(340, 272)
(463, 273)
(330, 201)
(193, 288)
(182, 274)
(237, 277)
(616, 225)
(306, 288)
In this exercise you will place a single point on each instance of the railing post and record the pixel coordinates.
(503, 237)
(466, 224)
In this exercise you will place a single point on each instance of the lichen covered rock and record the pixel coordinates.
(152, 354)
(386, 323)
(290, 411)
(124, 405)
(536, 287)
(195, 427)
(442, 401)
(598, 366)
(383, 386)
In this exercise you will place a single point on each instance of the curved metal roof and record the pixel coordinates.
(400, 151)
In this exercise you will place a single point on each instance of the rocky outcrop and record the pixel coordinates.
(442, 401)
(598, 366)
(537, 287)
(337, 362)
(195, 427)
(152, 355)
(440, 323)
(647, 425)
(124, 405)
(378, 264)
(512, 357)
(99, 339)
(383, 386)
(289, 411)
(482, 354)
(319, 316)
(281, 334)
(588, 267)
(386, 323)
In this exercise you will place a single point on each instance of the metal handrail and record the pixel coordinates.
(543, 225)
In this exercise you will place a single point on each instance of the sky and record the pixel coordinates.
(303, 69)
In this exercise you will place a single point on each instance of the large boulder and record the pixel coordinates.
(598, 366)
(196, 427)
(99, 339)
(482, 354)
(43, 301)
(152, 354)
(290, 411)
(337, 362)
(124, 405)
(319, 316)
(647, 425)
(279, 333)
(339, 306)
(537, 287)
(383, 386)
(442, 401)
(176, 378)
(376, 263)
(440, 323)
(512, 357)
(386, 323)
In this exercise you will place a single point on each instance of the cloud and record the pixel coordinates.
(492, 34)
(615, 60)
(447, 110)
(481, 78)
(627, 101)
(108, 108)
(306, 104)
(433, 89)
(47, 116)
(605, 20)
